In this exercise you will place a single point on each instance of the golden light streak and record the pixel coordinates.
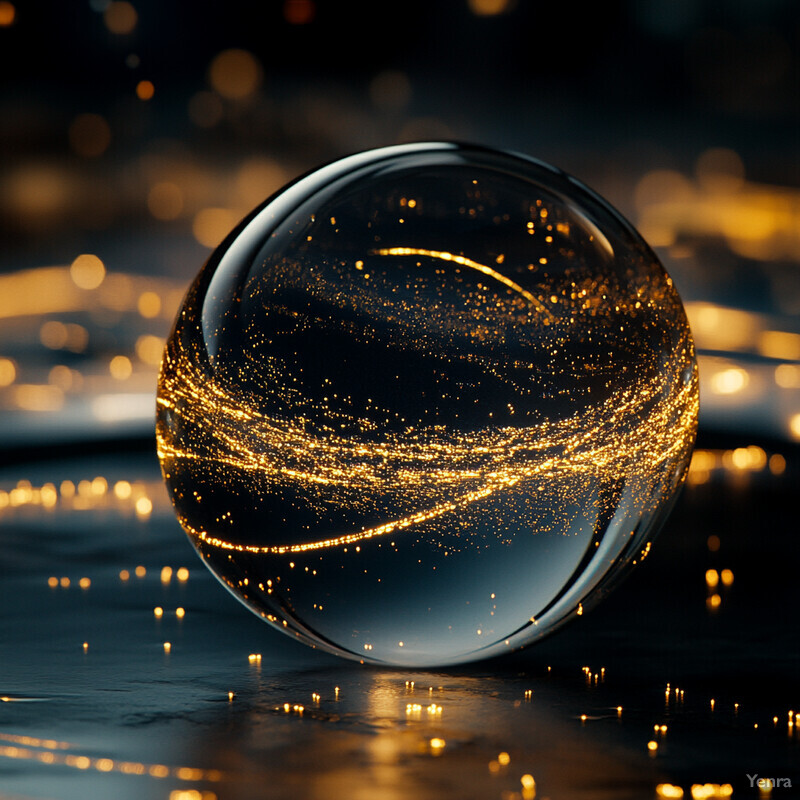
(50, 751)
(756, 220)
(32, 741)
(583, 449)
(468, 262)
(780, 345)
(52, 290)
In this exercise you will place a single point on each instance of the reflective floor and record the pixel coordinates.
(129, 672)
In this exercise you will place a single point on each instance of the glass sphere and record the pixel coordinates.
(424, 404)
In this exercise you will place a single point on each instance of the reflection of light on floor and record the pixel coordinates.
(699, 791)
(48, 751)
(714, 599)
(711, 791)
(191, 794)
(669, 790)
(89, 495)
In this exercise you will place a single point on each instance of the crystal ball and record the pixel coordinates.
(427, 403)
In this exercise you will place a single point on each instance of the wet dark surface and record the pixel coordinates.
(80, 722)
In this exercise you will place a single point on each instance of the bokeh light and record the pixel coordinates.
(87, 271)
(390, 91)
(8, 14)
(235, 74)
(489, 8)
(212, 225)
(299, 12)
(8, 371)
(205, 109)
(120, 17)
(165, 200)
(145, 90)
(89, 135)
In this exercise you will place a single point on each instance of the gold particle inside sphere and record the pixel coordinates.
(419, 374)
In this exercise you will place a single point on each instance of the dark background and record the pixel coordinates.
(605, 90)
